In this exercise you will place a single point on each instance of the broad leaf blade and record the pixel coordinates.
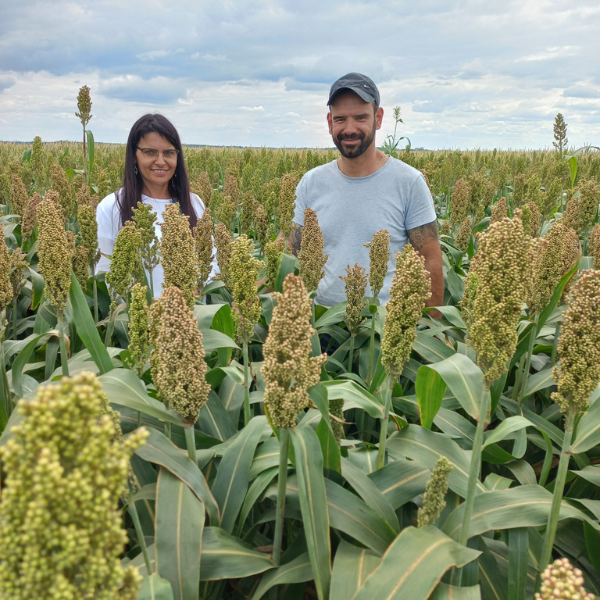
(414, 564)
(313, 504)
(429, 388)
(86, 328)
(179, 526)
(297, 570)
(161, 451)
(351, 568)
(155, 587)
(231, 483)
(226, 557)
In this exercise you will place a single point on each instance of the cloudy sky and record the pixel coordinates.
(467, 74)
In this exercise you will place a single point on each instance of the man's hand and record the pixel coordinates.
(424, 240)
(295, 239)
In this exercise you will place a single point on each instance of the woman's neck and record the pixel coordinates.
(159, 192)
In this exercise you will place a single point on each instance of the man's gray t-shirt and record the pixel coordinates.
(351, 210)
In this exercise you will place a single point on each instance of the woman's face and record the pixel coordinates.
(156, 159)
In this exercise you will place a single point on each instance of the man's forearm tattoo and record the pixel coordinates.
(296, 238)
(420, 236)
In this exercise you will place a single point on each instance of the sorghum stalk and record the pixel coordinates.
(493, 299)
(409, 291)
(289, 371)
(55, 260)
(244, 269)
(145, 218)
(356, 285)
(577, 375)
(284, 442)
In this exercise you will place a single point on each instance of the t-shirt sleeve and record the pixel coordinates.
(421, 209)
(301, 202)
(197, 204)
(107, 218)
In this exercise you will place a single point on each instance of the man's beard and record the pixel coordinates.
(358, 150)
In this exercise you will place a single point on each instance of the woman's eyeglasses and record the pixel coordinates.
(153, 152)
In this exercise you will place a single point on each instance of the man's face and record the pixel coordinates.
(352, 124)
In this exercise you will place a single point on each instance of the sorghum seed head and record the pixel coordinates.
(560, 581)
(311, 257)
(411, 287)
(379, 257)
(356, 287)
(177, 358)
(203, 245)
(578, 372)
(223, 246)
(289, 369)
(178, 254)
(434, 498)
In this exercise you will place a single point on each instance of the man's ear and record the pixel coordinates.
(378, 118)
(329, 123)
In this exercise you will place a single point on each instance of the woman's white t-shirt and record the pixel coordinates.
(109, 224)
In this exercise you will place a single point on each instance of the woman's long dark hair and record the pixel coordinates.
(179, 185)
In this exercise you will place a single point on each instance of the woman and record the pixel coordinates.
(155, 174)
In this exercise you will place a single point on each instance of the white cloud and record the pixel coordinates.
(252, 108)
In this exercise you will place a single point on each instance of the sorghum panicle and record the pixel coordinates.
(289, 370)
(411, 287)
(84, 105)
(66, 467)
(499, 210)
(30, 216)
(244, 269)
(356, 287)
(248, 210)
(145, 219)
(434, 498)
(287, 201)
(572, 215)
(125, 265)
(18, 195)
(553, 258)
(227, 211)
(60, 184)
(463, 237)
(261, 225)
(231, 189)
(379, 257)
(273, 250)
(311, 257)
(560, 581)
(88, 227)
(459, 203)
(138, 328)
(578, 372)
(178, 254)
(6, 289)
(203, 245)
(588, 201)
(203, 188)
(223, 245)
(594, 245)
(501, 270)
(81, 265)
(536, 219)
(55, 254)
(177, 358)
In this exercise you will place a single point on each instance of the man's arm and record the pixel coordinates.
(424, 240)
(295, 239)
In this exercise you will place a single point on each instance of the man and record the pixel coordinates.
(363, 191)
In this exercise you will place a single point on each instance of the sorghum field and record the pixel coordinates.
(193, 442)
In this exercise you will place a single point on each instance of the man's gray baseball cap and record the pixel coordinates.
(360, 84)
